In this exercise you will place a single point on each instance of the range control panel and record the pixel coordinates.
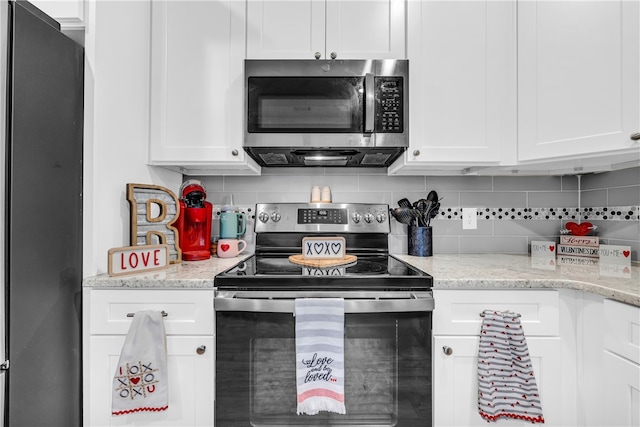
(322, 217)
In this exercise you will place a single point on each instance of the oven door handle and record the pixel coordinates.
(416, 302)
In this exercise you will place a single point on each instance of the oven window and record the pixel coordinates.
(387, 371)
(307, 104)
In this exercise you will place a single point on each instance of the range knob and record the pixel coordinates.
(381, 218)
(368, 217)
(356, 217)
(275, 217)
(263, 216)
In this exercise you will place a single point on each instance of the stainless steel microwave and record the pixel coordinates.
(326, 112)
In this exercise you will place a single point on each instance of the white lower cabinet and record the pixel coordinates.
(189, 328)
(456, 330)
(621, 364)
(456, 380)
(191, 388)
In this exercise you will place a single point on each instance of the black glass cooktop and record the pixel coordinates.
(368, 272)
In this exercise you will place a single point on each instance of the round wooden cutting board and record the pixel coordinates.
(319, 263)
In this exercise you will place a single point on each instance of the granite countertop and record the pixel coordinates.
(495, 271)
(188, 274)
(466, 271)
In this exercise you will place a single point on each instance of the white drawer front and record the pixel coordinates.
(622, 329)
(189, 312)
(457, 312)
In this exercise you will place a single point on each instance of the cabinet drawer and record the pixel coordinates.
(189, 312)
(622, 329)
(457, 312)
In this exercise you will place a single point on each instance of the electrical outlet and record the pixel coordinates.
(469, 218)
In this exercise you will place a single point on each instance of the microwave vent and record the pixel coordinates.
(274, 159)
(376, 159)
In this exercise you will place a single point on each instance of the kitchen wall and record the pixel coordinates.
(513, 210)
(118, 48)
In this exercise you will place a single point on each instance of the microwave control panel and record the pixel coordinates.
(389, 101)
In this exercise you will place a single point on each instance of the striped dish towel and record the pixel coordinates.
(320, 355)
(506, 384)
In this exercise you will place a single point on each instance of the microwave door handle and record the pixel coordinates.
(259, 305)
(369, 100)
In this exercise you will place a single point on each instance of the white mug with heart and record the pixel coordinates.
(229, 248)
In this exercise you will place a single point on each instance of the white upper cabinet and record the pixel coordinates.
(197, 86)
(578, 79)
(69, 13)
(306, 29)
(462, 85)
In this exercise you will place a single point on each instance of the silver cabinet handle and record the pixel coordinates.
(234, 152)
(317, 55)
(271, 304)
(164, 314)
(635, 136)
(201, 349)
(416, 153)
(334, 55)
(447, 350)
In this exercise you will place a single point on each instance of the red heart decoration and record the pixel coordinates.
(581, 229)
(135, 380)
(225, 247)
(551, 248)
(626, 253)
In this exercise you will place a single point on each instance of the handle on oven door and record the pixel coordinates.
(369, 87)
(387, 305)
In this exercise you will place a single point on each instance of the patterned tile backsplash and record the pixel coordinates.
(612, 213)
(512, 211)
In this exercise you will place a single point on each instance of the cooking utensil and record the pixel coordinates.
(405, 216)
(433, 196)
(421, 205)
(432, 213)
(425, 206)
(404, 203)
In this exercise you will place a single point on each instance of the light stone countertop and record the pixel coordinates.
(188, 274)
(501, 271)
(466, 271)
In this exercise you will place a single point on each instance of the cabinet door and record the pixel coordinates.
(355, 29)
(455, 381)
(578, 85)
(372, 29)
(462, 79)
(622, 395)
(196, 85)
(284, 29)
(191, 384)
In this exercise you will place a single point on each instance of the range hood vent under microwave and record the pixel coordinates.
(359, 157)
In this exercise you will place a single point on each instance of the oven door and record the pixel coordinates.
(387, 362)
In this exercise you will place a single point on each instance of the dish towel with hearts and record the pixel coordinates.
(320, 355)
(506, 383)
(140, 380)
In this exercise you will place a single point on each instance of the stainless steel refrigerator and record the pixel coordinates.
(41, 122)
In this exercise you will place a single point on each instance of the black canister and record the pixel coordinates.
(420, 241)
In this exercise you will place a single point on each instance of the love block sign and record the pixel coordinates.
(323, 247)
(614, 254)
(138, 259)
(541, 248)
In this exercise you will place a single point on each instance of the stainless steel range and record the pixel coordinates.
(388, 308)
